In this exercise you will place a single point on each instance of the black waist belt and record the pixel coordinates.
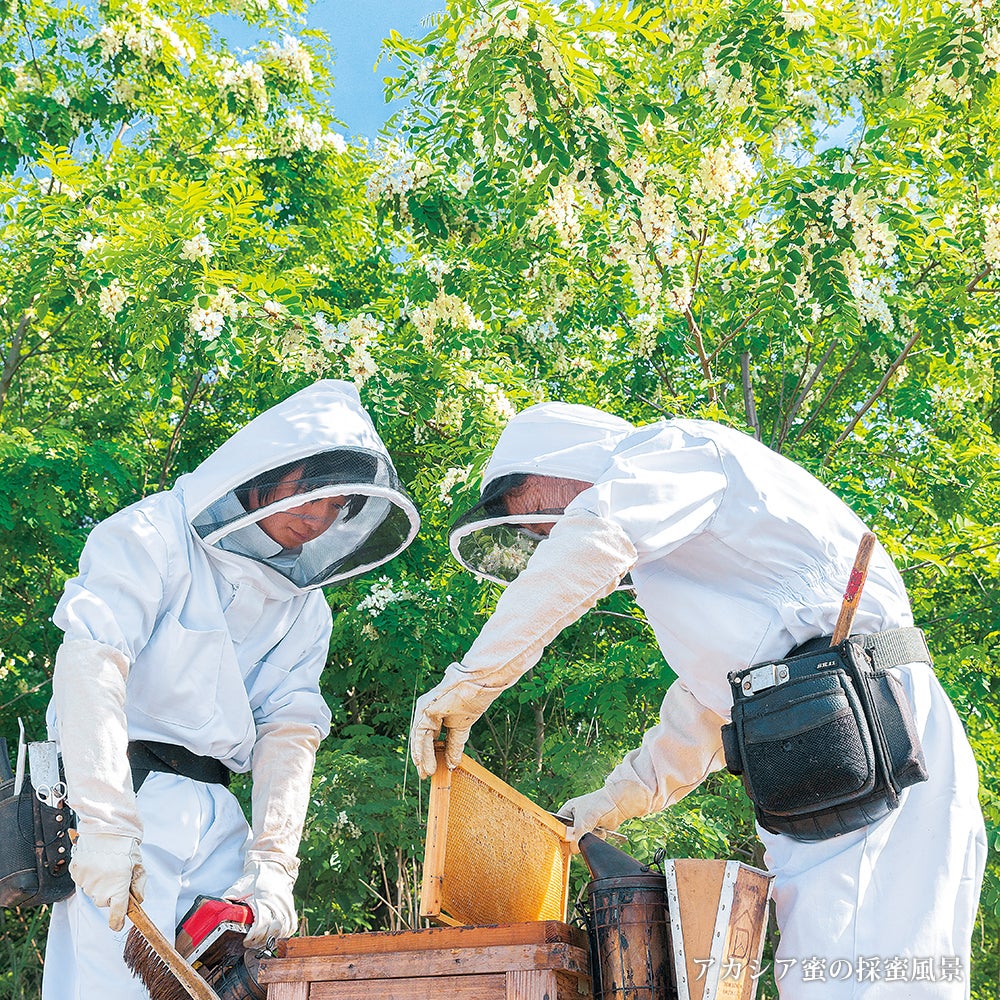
(891, 648)
(146, 755)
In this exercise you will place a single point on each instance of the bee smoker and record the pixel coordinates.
(628, 926)
(210, 937)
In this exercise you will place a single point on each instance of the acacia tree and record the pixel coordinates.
(779, 216)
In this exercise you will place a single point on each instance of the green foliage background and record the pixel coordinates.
(780, 216)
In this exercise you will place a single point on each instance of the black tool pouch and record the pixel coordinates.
(34, 848)
(824, 741)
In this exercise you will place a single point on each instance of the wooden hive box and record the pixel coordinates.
(526, 961)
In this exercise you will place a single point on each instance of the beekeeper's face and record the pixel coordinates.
(297, 525)
(543, 495)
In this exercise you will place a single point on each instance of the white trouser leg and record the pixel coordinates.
(195, 836)
(887, 913)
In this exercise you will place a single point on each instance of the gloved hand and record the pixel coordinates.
(583, 559)
(282, 763)
(88, 689)
(676, 755)
(266, 885)
(105, 866)
(456, 702)
(587, 813)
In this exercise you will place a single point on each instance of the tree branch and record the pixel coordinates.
(870, 401)
(749, 406)
(699, 343)
(175, 438)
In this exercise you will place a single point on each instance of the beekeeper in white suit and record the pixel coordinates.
(737, 556)
(195, 634)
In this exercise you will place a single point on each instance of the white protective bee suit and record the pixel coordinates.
(736, 555)
(189, 625)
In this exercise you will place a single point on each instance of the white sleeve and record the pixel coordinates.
(583, 560)
(675, 756)
(115, 597)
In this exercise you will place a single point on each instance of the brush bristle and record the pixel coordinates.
(144, 963)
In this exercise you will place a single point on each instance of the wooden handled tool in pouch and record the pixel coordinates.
(852, 595)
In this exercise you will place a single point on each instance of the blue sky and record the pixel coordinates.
(356, 29)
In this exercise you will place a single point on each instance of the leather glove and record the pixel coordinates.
(266, 885)
(583, 559)
(676, 755)
(282, 763)
(105, 866)
(88, 689)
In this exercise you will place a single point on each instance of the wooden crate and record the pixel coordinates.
(525, 961)
(491, 855)
(718, 921)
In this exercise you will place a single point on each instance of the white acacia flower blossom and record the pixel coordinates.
(797, 16)
(725, 171)
(207, 323)
(244, 80)
(991, 240)
(452, 477)
(224, 301)
(197, 247)
(292, 58)
(384, 592)
(88, 243)
(111, 299)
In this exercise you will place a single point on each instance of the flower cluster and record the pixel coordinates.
(88, 243)
(729, 91)
(562, 213)
(197, 247)
(868, 293)
(445, 308)
(724, 171)
(507, 561)
(381, 595)
(299, 132)
(111, 299)
(146, 35)
(455, 475)
(397, 173)
(874, 240)
(495, 397)
(521, 104)
(991, 238)
(796, 16)
(244, 80)
(207, 323)
(292, 59)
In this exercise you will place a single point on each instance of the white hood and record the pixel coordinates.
(326, 418)
(561, 440)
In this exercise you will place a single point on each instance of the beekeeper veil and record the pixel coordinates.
(553, 440)
(306, 488)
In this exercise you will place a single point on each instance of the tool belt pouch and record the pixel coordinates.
(822, 741)
(34, 848)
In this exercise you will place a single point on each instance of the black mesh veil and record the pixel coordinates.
(375, 521)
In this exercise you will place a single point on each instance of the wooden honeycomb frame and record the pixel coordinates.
(492, 856)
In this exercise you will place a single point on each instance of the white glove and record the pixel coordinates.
(105, 866)
(582, 560)
(676, 755)
(284, 756)
(266, 885)
(88, 689)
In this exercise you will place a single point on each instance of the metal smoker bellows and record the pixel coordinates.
(630, 948)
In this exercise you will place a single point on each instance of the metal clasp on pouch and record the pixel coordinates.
(767, 676)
